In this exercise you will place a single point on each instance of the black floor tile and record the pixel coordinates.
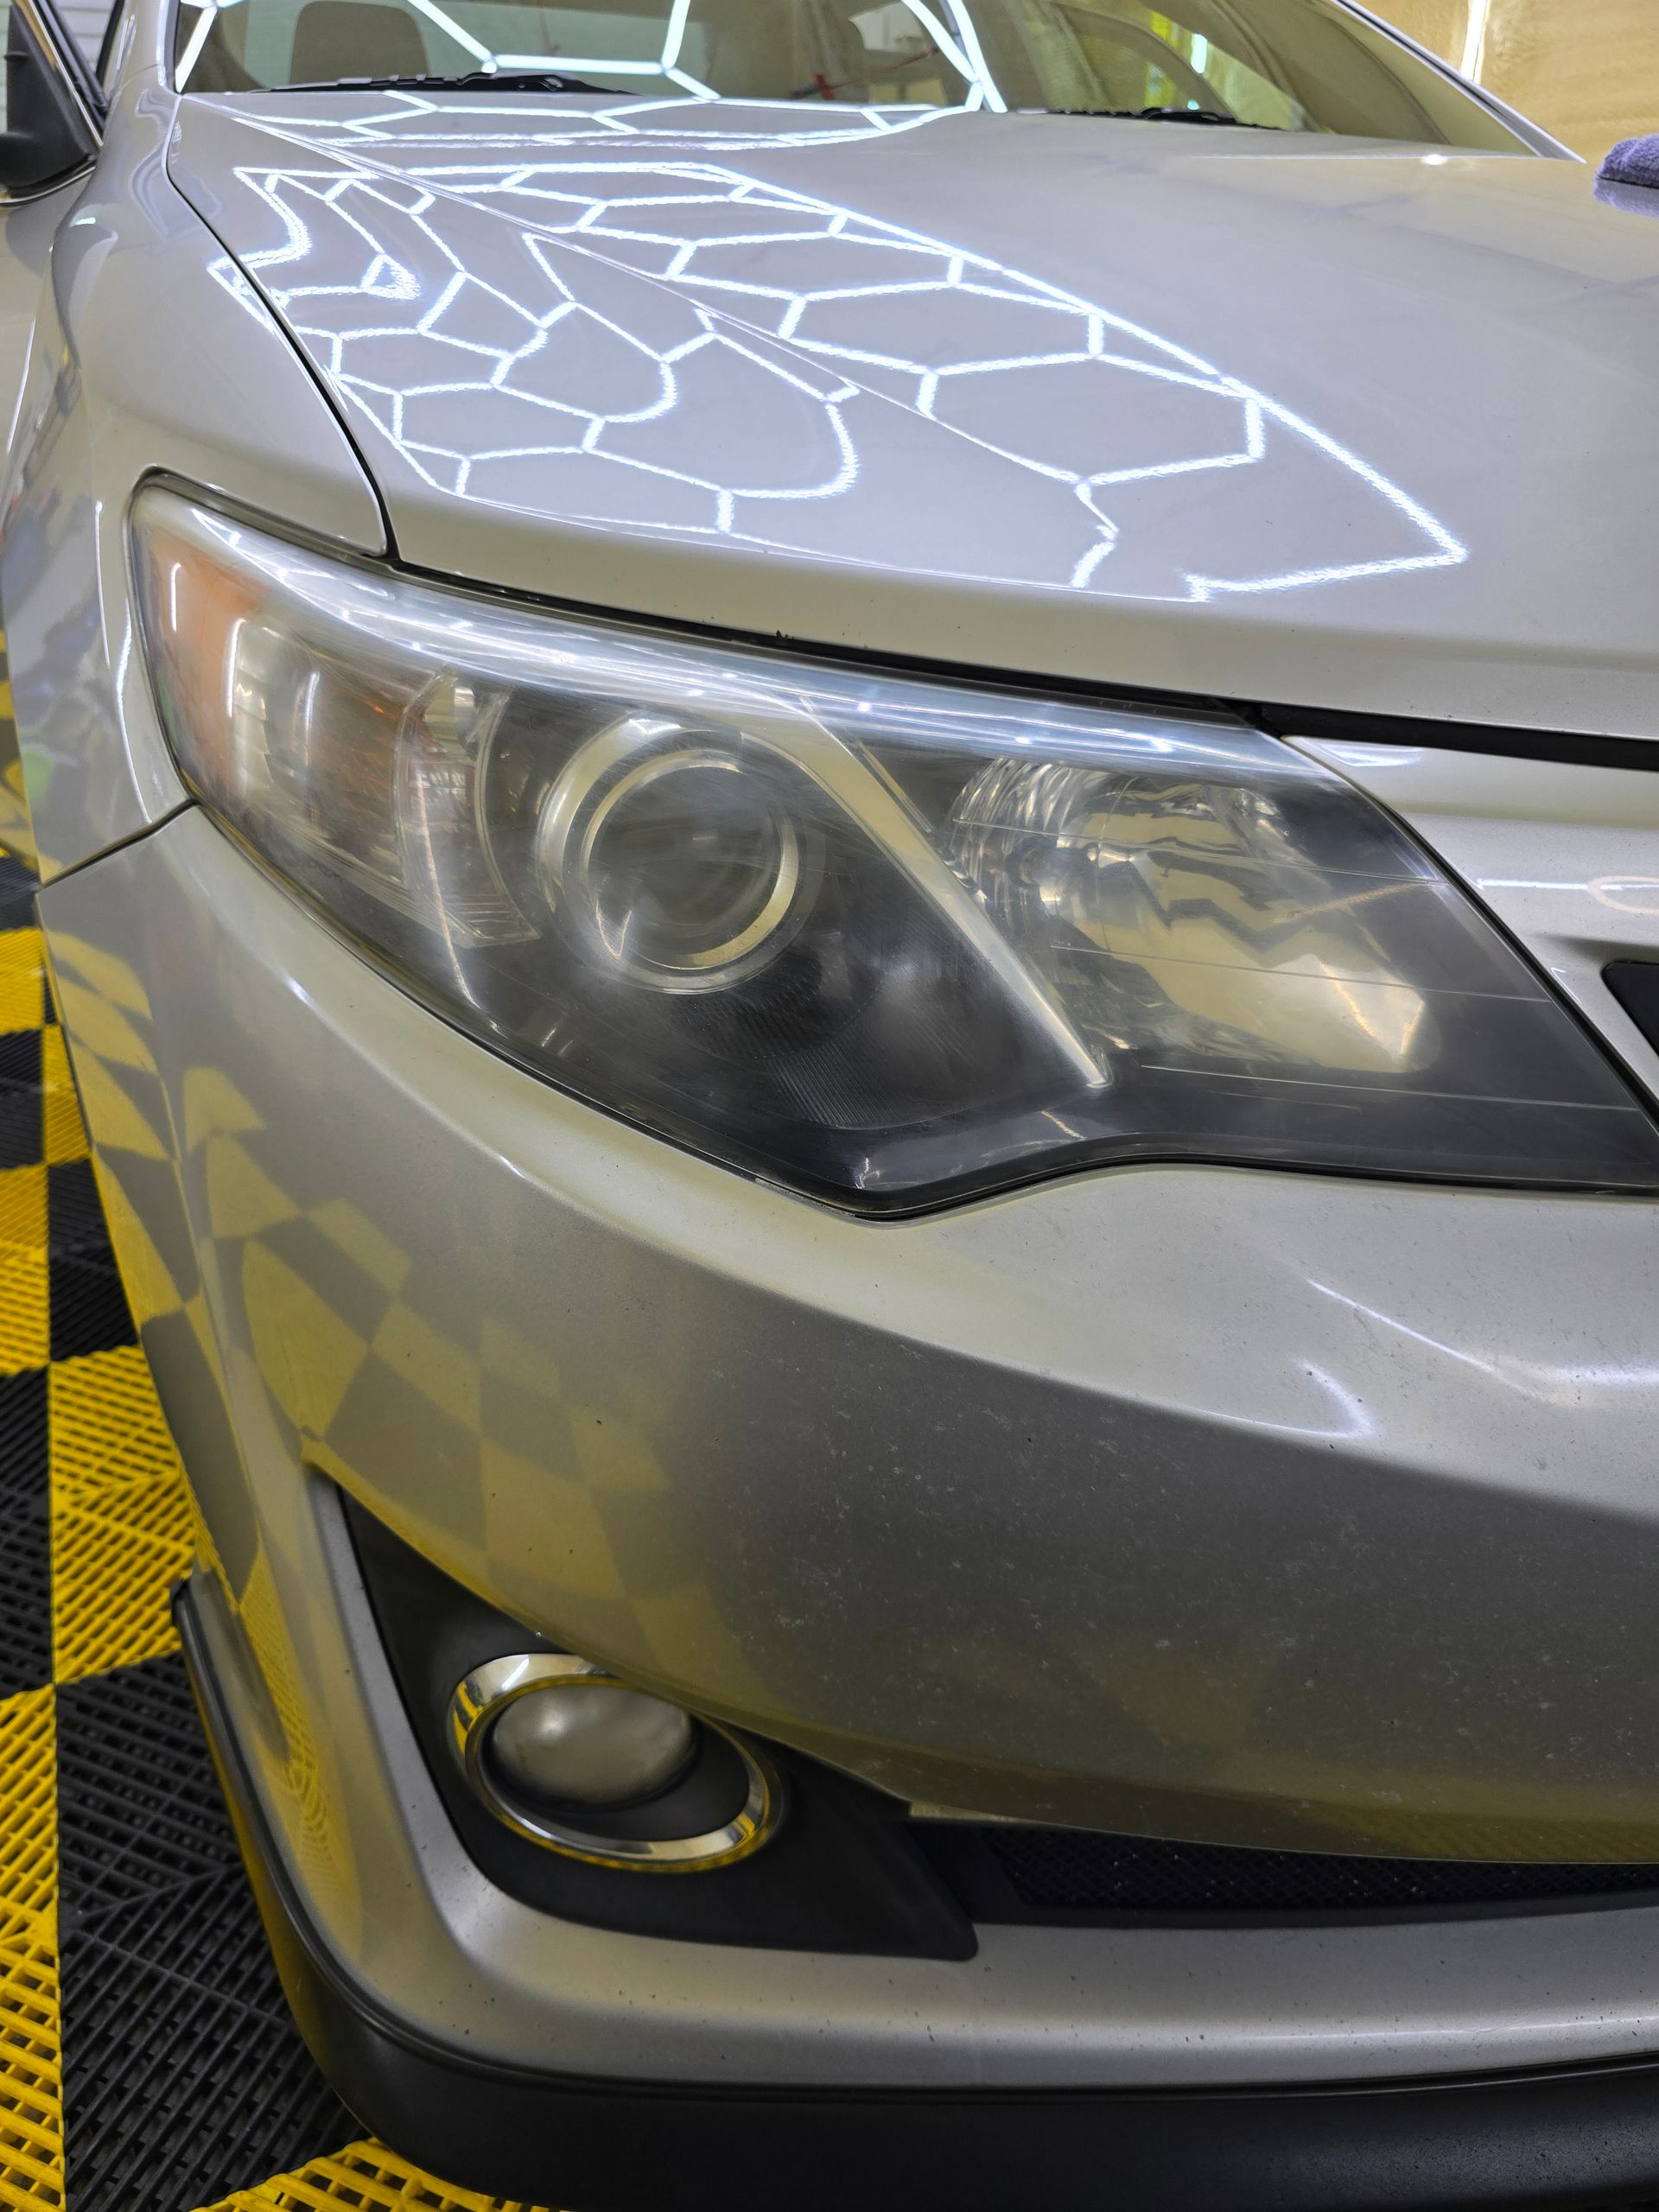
(138, 1805)
(20, 1060)
(25, 1596)
(25, 1470)
(183, 2076)
(18, 885)
(22, 1131)
(89, 1308)
(25, 1536)
(74, 1217)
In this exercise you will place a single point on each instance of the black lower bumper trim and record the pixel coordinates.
(1586, 2137)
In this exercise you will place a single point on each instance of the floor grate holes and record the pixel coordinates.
(63, 1131)
(364, 2178)
(27, 1813)
(25, 1326)
(89, 1311)
(107, 1422)
(23, 1206)
(24, 1461)
(121, 1520)
(74, 1217)
(22, 987)
(25, 1593)
(110, 1578)
(173, 2092)
(139, 1809)
(184, 2076)
(31, 2115)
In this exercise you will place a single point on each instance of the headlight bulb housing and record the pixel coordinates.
(886, 940)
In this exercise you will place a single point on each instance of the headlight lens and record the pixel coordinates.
(881, 939)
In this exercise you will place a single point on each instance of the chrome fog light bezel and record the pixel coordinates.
(482, 1695)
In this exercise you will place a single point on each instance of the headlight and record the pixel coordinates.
(881, 939)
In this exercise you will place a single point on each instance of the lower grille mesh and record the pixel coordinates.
(1068, 1869)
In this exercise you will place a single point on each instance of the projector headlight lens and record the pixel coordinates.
(678, 857)
(884, 939)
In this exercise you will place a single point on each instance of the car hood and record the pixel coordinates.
(1287, 419)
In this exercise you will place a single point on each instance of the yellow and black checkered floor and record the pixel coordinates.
(147, 2062)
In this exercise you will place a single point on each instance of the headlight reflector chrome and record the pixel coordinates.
(885, 939)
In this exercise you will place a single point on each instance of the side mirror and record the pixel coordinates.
(48, 128)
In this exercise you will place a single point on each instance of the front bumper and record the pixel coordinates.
(1585, 2136)
(1267, 1509)
(1227, 1504)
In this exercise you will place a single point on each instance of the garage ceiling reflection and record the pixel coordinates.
(597, 314)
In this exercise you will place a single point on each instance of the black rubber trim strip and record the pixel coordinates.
(1581, 2138)
(1340, 725)
(1634, 984)
(1353, 726)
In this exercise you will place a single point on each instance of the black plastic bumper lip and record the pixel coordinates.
(1585, 2137)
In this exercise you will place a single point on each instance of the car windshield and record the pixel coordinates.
(1276, 65)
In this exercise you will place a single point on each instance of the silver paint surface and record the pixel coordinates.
(1252, 1507)
(1160, 1473)
(149, 351)
(1300, 419)
(1203, 1502)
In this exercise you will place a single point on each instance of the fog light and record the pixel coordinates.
(572, 1744)
(576, 1760)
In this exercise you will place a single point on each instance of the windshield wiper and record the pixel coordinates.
(1167, 114)
(500, 80)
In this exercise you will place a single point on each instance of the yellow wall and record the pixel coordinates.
(1438, 24)
(1588, 70)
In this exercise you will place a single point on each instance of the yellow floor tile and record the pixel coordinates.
(366, 2177)
(22, 990)
(29, 1817)
(23, 1207)
(25, 1330)
(113, 1562)
(120, 1515)
(31, 2106)
(107, 1424)
(64, 1131)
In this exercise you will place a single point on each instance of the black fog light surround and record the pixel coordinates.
(842, 1870)
(572, 1757)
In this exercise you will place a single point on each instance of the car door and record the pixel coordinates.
(50, 112)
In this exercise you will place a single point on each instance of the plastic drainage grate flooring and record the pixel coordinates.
(147, 2060)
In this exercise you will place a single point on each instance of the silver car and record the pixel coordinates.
(849, 835)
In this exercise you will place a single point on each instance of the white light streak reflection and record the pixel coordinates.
(653, 340)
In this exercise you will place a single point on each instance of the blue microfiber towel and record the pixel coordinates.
(1633, 161)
